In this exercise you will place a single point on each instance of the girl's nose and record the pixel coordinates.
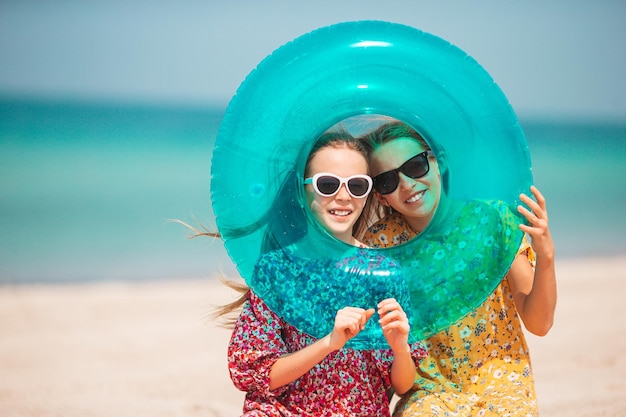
(343, 193)
(405, 182)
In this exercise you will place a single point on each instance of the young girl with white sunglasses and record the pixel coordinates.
(286, 372)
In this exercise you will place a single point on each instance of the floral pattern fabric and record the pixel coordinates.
(479, 366)
(348, 382)
(307, 293)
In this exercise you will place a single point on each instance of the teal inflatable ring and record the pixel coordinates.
(371, 67)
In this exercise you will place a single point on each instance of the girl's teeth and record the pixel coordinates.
(340, 213)
(415, 197)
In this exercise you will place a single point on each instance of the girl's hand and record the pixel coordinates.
(349, 321)
(538, 229)
(395, 324)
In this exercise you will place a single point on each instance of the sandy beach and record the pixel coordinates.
(149, 349)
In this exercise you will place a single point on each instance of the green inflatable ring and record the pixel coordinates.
(372, 67)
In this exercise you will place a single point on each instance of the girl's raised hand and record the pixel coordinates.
(349, 321)
(537, 217)
(395, 324)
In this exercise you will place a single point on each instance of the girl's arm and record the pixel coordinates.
(349, 321)
(255, 345)
(535, 291)
(395, 325)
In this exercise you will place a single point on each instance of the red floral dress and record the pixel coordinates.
(348, 382)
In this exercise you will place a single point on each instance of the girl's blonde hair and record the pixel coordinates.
(225, 314)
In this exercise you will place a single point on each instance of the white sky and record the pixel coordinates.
(551, 58)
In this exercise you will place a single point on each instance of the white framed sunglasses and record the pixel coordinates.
(327, 184)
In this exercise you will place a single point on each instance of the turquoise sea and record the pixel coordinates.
(86, 190)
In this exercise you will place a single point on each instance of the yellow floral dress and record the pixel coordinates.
(479, 366)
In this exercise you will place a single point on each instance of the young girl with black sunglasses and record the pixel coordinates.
(479, 366)
(286, 372)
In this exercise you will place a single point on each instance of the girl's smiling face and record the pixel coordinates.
(415, 198)
(338, 213)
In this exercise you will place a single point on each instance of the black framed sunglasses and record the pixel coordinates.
(327, 184)
(416, 167)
